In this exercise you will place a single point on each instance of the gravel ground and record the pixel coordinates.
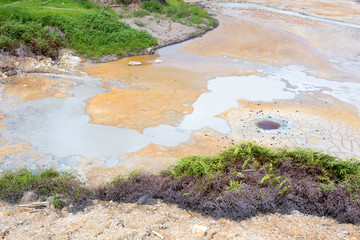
(166, 31)
(110, 220)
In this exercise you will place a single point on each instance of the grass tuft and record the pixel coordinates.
(152, 6)
(141, 13)
(46, 183)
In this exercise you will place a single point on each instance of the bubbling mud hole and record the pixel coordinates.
(268, 125)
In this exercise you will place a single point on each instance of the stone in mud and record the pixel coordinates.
(134, 63)
(150, 51)
(69, 59)
(199, 230)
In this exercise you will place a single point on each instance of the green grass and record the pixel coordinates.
(252, 156)
(188, 14)
(153, 6)
(61, 186)
(141, 13)
(126, 176)
(87, 28)
(139, 23)
(181, 12)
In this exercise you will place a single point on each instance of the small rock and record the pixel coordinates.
(4, 232)
(11, 73)
(343, 234)
(29, 197)
(150, 51)
(134, 63)
(158, 61)
(4, 214)
(199, 230)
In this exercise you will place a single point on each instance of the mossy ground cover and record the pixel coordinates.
(238, 183)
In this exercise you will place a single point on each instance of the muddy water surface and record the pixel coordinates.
(262, 64)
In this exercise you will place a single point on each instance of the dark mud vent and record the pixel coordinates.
(268, 125)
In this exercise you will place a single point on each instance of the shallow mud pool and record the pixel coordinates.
(268, 74)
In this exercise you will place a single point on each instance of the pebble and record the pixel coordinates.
(199, 230)
(4, 232)
(343, 234)
(4, 214)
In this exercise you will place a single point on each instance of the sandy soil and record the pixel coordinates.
(110, 220)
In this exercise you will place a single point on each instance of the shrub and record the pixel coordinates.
(46, 183)
(248, 179)
(153, 6)
(188, 14)
(38, 37)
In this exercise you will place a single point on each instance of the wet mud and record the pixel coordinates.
(342, 10)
